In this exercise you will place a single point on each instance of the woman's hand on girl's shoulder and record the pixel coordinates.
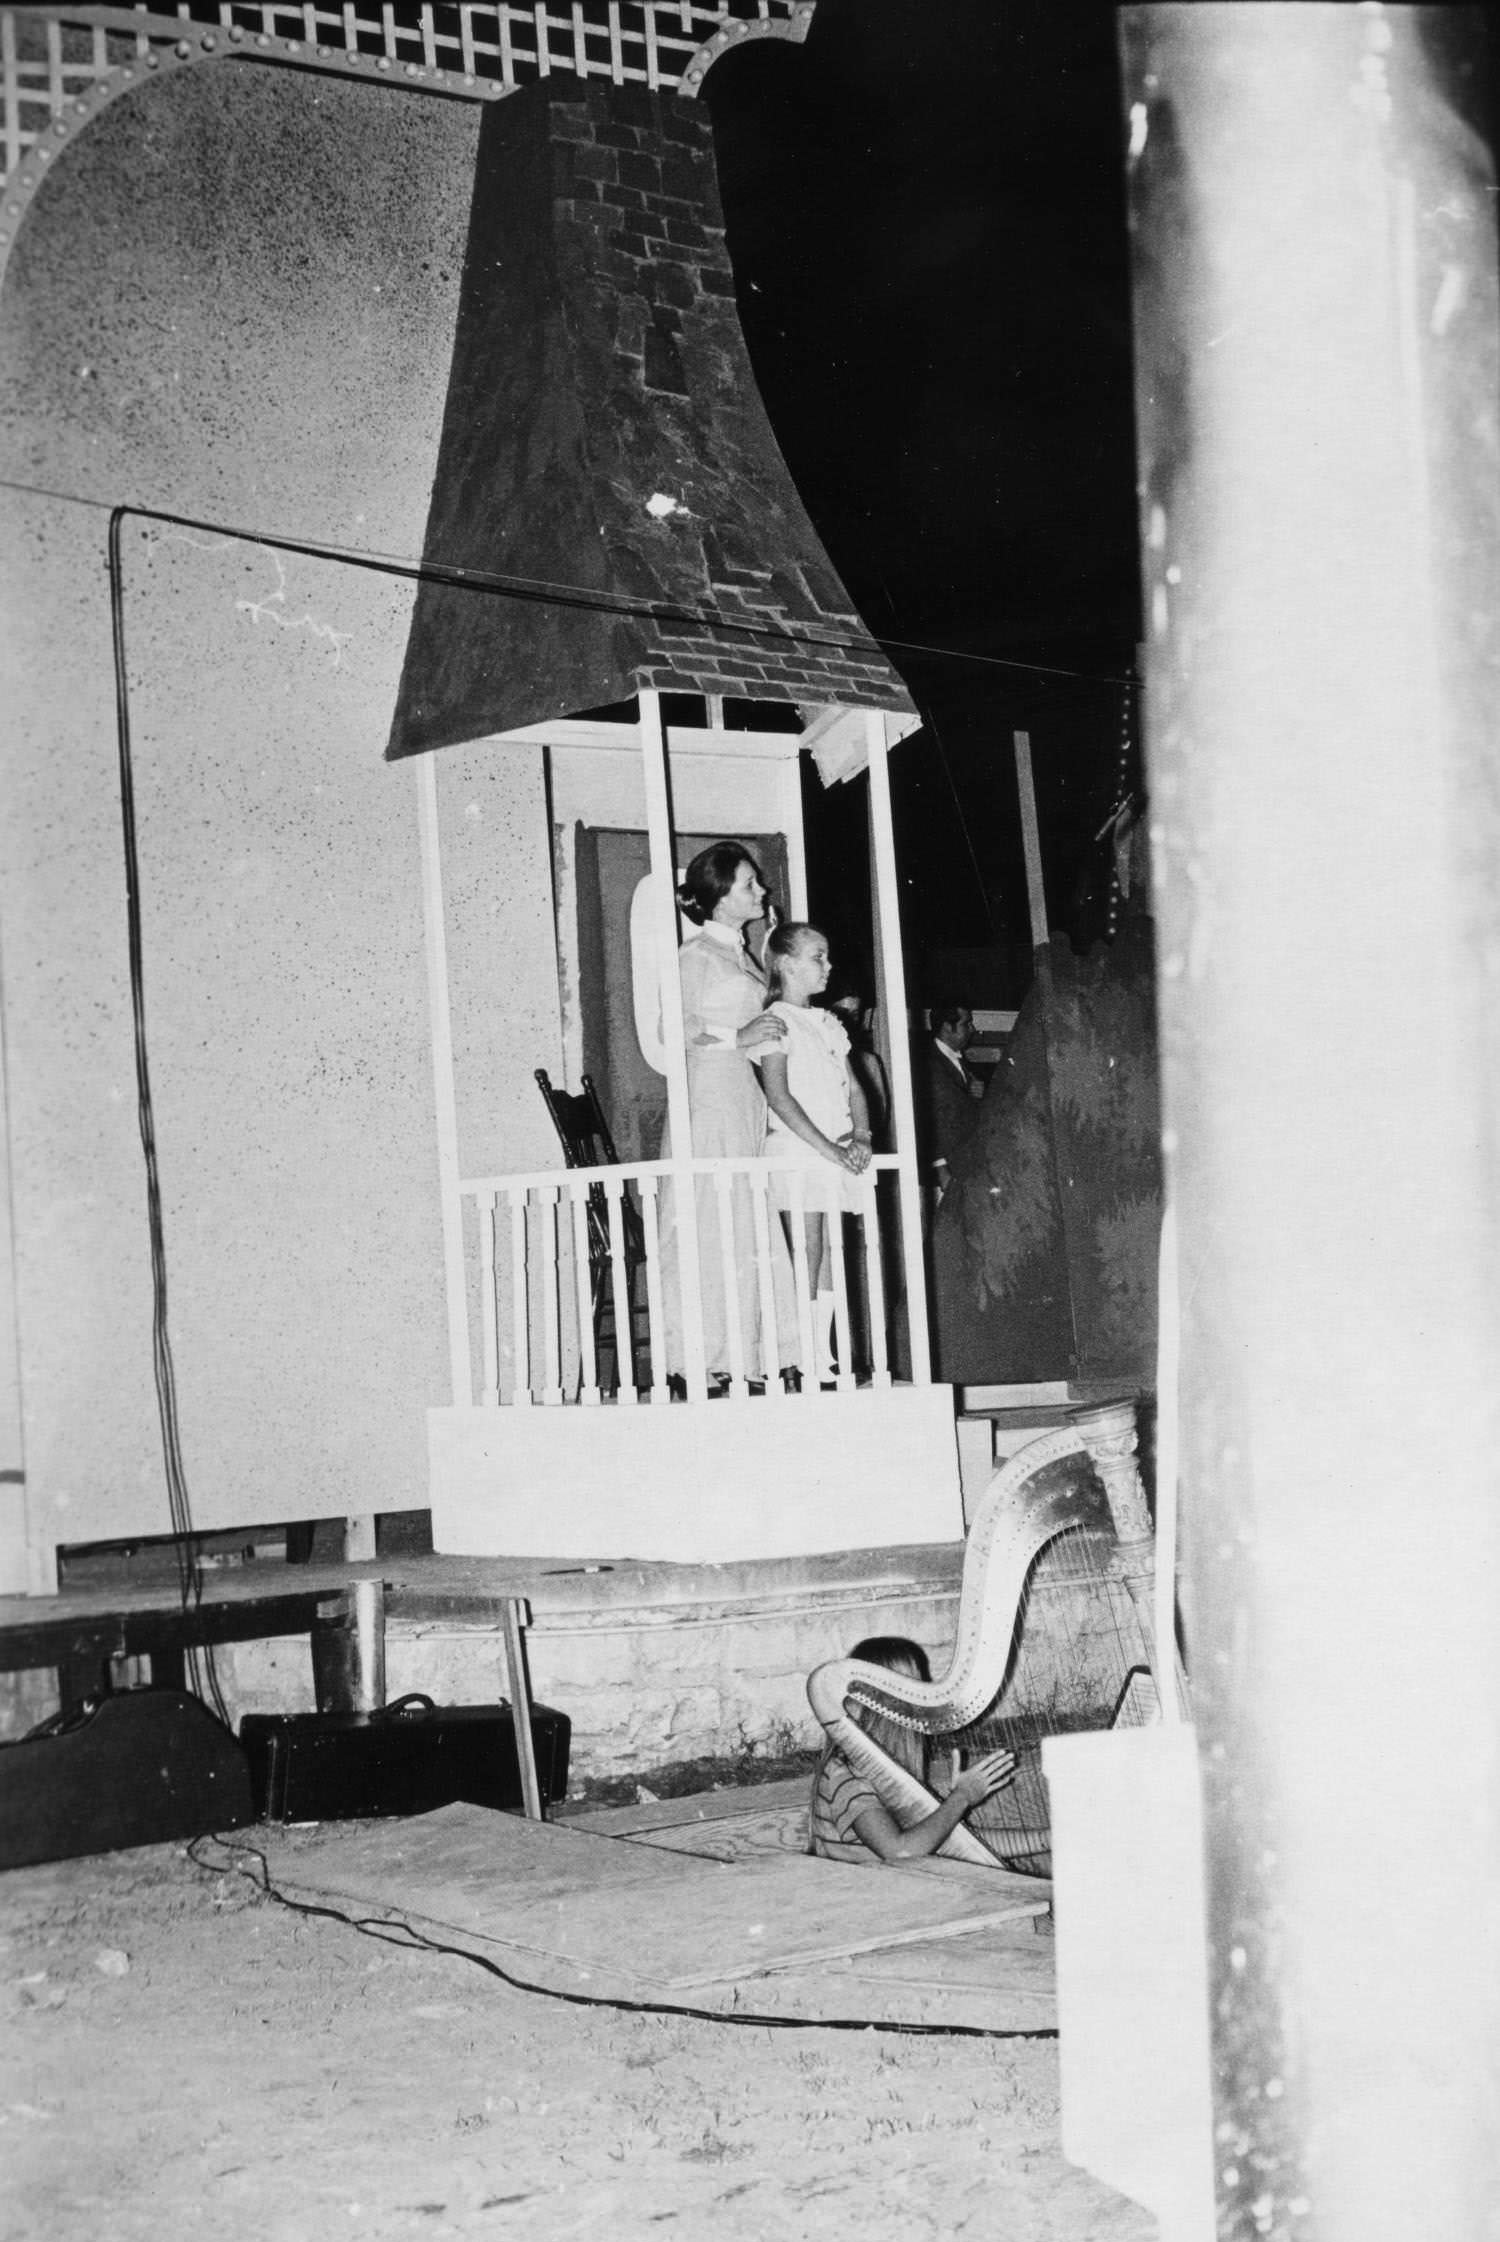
(764, 1028)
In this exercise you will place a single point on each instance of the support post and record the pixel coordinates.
(348, 1650)
(679, 1112)
(796, 837)
(444, 1098)
(1318, 360)
(1031, 841)
(515, 1618)
(893, 999)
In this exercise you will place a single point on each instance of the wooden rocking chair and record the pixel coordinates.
(584, 1135)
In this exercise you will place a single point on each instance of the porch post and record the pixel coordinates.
(679, 1113)
(1318, 363)
(893, 997)
(796, 837)
(445, 1104)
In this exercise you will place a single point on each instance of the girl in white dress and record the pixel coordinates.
(819, 1121)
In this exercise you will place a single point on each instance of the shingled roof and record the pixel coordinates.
(607, 478)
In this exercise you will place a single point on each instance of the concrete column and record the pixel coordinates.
(1318, 376)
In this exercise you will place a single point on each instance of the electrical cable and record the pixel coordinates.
(542, 592)
(189, 1565)
(414, 1941)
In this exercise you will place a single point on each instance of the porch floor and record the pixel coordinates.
(703, 1904)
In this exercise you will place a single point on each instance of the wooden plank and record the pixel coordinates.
(674, 1921)
(465, 1864)
(777, 1831)
(444, 1079)
(37, 1642)
(893, 995)
(515, 1620)
(698, 1806)
(1031, 841)
(1004, 1978)
(664, 887)
(927, 1934)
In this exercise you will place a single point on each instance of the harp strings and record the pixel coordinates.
(1077, 1637)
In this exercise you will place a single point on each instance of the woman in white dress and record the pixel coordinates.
(724, 1024)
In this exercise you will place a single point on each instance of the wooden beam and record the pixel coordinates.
(1031, 842)
(444, 1096)
(893, 997)
(679, 1111)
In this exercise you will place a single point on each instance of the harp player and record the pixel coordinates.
(849, 1822)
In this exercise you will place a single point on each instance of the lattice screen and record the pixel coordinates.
(58, 63)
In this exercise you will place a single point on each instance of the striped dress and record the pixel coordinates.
(839, 1795)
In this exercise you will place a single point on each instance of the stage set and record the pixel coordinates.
(404, 584)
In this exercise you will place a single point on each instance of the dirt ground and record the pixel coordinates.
(183, 2056)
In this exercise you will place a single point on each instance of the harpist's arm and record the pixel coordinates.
(880, 1830)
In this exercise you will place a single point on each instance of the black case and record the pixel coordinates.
(137, 1768)
(408, 1758)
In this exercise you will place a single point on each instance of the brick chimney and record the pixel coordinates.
(604, 439)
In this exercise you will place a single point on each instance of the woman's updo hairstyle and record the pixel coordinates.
(709, 878)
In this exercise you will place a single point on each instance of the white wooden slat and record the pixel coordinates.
(684, 1199)
(843, 1340)
(489, 1334)
(8, 63)
(655, 1327)
(619, 1277)
(893, 997)
(588, 1382)
(547, 1205)
(869, 1216)
(520, 1297)
(444, 1083)
(809, 1363)
(762, 1216)
(734, 1338)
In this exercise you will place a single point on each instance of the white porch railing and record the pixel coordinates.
(558, 1257)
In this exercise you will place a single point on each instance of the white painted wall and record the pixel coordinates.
(175, 332)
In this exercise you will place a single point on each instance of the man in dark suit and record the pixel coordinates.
(946, 1092)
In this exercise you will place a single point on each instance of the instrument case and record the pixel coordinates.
(408, 1758)
(136, 1768)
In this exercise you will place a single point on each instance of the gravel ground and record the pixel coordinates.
(183, 2056)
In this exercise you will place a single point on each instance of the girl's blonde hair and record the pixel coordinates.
(907, 1746)
(784, 942)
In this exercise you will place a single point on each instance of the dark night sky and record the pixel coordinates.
(926, 213)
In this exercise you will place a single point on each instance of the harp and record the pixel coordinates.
(1054, 1632)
